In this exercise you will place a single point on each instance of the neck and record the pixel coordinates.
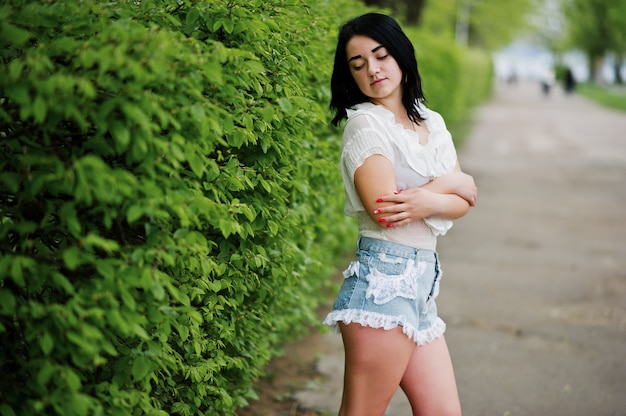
(395, 106)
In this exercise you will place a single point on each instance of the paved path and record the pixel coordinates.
(534, 289)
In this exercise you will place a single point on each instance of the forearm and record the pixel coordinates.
(448, 197)
(449, 206)
(455, 182)
(445, 184)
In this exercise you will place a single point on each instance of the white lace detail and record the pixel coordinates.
(352, 270)
(386, 322)
(384, 287)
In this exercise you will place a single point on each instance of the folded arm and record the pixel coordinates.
(449, 196)
(375, 177)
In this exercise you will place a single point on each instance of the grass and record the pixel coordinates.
(612, 96)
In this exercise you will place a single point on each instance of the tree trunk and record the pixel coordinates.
(617, 68)
(595, 69)
(411, 10)
(414, 10)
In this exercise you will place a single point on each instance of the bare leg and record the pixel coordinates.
(429, 381)
(376, 360)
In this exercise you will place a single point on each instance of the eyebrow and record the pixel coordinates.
(359, 56)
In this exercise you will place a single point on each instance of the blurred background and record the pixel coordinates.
(531, 39)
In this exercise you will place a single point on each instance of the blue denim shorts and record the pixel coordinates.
(391, 284)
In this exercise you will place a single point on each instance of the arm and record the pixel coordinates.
(455, 182)
(449, 196)
(375, 177)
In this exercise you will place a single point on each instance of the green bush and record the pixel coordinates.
(170, 201)
(455, 79)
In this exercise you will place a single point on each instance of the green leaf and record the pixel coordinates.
(195, 162)
(285, 105)
(46, 372)
(192, 17)
(7, 302)
(39, 109)
(141, 367)
(94, 240)
(15, 35)
(72, 379)
(15, 69)
(121, 135)
(6, 410)
(72, 257)
(62, 282)
(70, 217)
(134, 213)
(158, 291)
(267, 113)
(273, 227)
(46, 342)
(17, 273)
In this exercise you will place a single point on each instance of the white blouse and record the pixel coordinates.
(372, 129)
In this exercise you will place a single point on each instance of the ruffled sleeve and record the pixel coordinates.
(361, 139)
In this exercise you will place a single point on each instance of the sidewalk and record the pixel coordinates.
(534, 289)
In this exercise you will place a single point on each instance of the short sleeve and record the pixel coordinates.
(363, 139)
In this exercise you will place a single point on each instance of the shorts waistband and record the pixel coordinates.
(395, 249)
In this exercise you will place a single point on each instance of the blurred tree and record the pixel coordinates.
(617, 22)
(547, 25)
(409, 11)
(485, 24)
(597, 27)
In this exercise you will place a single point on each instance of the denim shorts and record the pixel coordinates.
(391, 284)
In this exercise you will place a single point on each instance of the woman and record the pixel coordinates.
(404, 184)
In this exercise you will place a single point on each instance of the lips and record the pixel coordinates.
(377, 82)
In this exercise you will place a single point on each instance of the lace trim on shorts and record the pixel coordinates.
(386, 322)
(384, 287)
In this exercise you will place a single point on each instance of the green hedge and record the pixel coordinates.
(170, 201)
(168, 214)
(455, 79)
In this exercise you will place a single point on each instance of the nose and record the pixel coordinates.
(373, 67)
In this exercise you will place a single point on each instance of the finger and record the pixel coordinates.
(398, 219)
(393, 209)
(393, 198)
(398, 196)
(398, 223)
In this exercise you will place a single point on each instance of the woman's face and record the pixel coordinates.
(374, 70)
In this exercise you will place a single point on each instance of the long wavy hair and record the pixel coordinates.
(386, 31)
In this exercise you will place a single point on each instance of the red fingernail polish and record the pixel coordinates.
(379, 200)
(397, 192)
(382, 220)
(377, 211)
(389, 225)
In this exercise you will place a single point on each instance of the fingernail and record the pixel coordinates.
(379, 200)
(389, 225)
(396, 192)
(382, 220)
(377, 211)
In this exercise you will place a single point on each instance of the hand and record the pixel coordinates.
(410, 205)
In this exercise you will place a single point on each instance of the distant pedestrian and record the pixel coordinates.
(547, 80)
(404, 184)
(569, 82)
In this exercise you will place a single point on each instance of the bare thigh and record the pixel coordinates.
(429, 381)
(376, 361)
